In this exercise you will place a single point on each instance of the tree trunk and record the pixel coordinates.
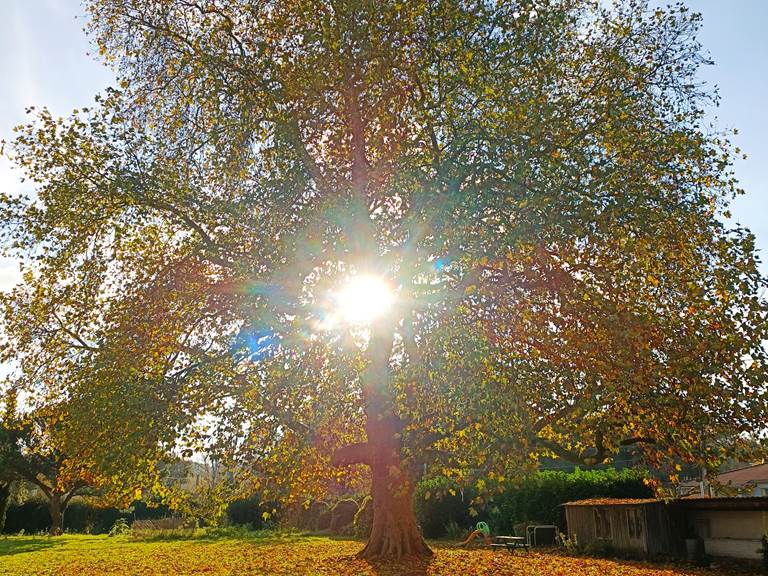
(57, 514)
(5, 497)
(394, 533)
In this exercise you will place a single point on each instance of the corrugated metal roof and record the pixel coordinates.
(612, 501)
(729, 503)
(724, 503)
(744, 476)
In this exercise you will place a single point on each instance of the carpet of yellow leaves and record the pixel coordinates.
(298, 556)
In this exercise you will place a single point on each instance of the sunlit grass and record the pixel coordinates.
(269, 553)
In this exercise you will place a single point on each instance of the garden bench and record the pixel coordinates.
(511, 543)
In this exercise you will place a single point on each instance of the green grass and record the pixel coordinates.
(235, 552)
(170, 552)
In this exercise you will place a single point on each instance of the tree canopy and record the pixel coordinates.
(535, 181)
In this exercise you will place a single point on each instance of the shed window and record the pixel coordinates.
(635, 523)
(602, 524)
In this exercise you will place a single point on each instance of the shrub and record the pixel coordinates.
(600, 549)
(571, 544)
(454, 531)
(303, 516)
(318, 513)
(167, 523)
(31, 517)
(120, 528)
(247, 511)
(166, 529)
(324, 521)
(239, 532)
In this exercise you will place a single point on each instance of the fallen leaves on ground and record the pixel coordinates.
(291, 556)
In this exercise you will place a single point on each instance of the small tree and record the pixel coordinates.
(28, 452)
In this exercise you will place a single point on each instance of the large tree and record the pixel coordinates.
(531, 183)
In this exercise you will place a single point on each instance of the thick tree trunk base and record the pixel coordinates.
(395, 545)
(394, 534)
(57, 516)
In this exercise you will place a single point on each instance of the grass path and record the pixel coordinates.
(284, 556)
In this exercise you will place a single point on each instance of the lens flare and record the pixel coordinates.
(363, 299)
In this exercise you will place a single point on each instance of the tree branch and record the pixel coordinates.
(637, 440)
(79, 485)
(359, 453)
(558, 450)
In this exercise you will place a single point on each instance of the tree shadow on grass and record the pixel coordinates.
(20, 545)
(355, 565)
(209, 535)
(410, 567)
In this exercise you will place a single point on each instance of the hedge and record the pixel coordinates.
(439, 502)
(246, 512)
(32, 516)
(538, 499)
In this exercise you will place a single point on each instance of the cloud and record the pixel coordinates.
(10, 275)
(10, 180)
(24, 87)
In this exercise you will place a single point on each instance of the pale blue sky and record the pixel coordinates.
(44, 62)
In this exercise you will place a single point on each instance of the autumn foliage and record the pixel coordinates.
(535, 181)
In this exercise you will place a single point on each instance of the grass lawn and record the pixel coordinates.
(285, 555)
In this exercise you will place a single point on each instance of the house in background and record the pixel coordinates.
(747, 481)
(189, 475)
(729, 527)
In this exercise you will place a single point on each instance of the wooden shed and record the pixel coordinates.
(639, 527)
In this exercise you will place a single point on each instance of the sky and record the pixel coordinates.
(44, 61)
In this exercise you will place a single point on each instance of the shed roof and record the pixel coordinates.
(613, 501)
(729, 503)
(700, 503)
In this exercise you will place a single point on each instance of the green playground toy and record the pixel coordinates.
(484, 528)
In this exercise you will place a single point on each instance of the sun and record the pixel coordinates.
(363, 299)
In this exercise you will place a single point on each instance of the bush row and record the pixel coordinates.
(441, 504)
(441, 507)
(81, 516)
